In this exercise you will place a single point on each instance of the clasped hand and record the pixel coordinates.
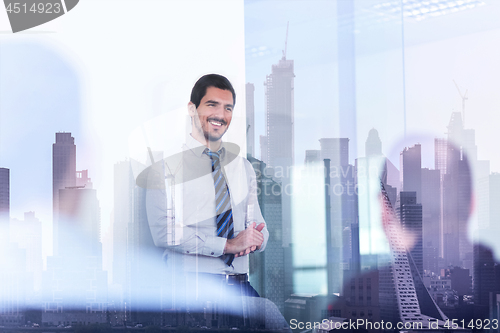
(247, 241)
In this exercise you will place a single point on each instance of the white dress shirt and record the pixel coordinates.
(195, 246)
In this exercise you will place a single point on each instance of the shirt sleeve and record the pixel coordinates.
(165, 232)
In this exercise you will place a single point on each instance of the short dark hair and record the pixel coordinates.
(210, 80)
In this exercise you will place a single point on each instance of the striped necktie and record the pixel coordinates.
(223, 211)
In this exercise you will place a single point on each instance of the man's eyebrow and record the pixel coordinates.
(215, 102)
(211, 102)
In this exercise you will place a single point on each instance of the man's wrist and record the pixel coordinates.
(213, 246)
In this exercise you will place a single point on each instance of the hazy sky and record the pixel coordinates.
(459, 46)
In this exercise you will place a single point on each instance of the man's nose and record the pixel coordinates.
(219, 111)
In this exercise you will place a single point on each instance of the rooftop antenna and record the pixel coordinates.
(464, 98)
(286, 41)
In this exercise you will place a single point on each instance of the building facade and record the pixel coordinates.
(63, 175)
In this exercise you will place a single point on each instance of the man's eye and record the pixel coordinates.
(229, 109)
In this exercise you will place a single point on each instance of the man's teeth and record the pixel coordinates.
(215, 123)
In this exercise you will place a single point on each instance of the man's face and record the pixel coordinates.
(213, 116)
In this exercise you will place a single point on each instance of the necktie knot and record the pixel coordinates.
(214, 157)
(212, 154)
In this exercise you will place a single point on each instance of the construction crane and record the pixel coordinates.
(286, 41)
(464, 98)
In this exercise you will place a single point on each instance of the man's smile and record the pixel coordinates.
(216, 122)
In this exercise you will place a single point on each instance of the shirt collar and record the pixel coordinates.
(198, 149)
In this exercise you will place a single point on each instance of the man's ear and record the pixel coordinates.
(191, 109)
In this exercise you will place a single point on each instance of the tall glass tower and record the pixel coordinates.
(4, 203)
(63, 174)
(279, 152)
(250, 111)
(279, 114)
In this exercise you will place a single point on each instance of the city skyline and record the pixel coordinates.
(73, 182)
(448, 164)
(333, 149)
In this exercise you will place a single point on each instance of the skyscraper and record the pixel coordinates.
(373, 145)
(456, 195)
(335, 149)
(83, 179)
(4, 203)
(410, 170)
(250, 110)
(63, 174)
(486, 279)
(280, 114)
(74, 285)
(431, 217)
(123, 218)
(263, 148)
(279, 144)
(410, 215)
(494, 196)
(440, 163)
(342, 208)
(440, 154)
(488, 195)
(312, 156)
(123, 225)
(27, 234)
(485, 182)
(369, 171)
(146, 275)
(469, 144)
(267, 268)
(15, 282)
(79, 222)
(403, 297)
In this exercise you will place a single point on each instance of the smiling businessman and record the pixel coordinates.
(220, 222)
